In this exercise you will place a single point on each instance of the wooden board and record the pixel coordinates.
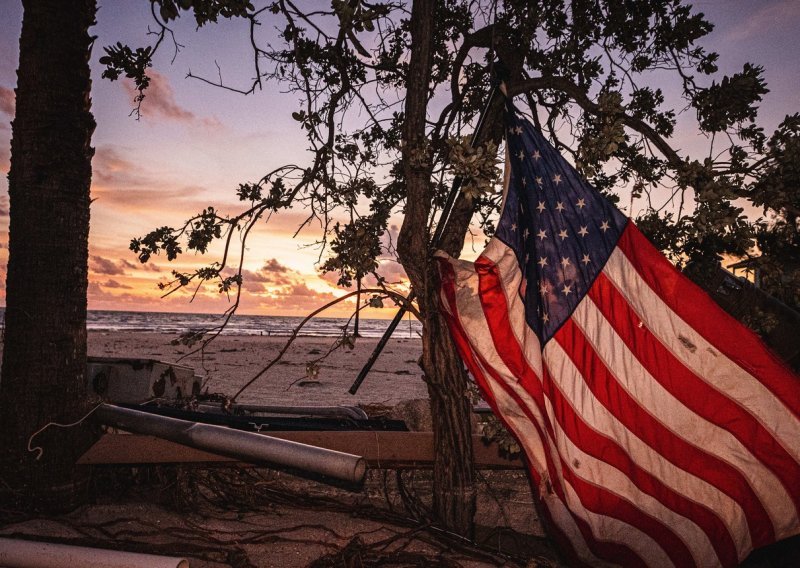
(380, 449)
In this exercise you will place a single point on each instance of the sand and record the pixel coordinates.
(230, 361)
(285, 521)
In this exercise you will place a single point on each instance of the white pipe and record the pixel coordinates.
(245, 446)
(15, 553)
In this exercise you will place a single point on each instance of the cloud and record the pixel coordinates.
(273, 266)
(297, 298)
(7, 102)
(273, 272)
(110, 168)
(5, 158)
(101, 265)
(768, 18)
(114, 284)
(159, 103)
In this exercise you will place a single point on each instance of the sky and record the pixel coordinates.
(195, 143)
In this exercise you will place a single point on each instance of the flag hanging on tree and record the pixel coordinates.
(658, 429)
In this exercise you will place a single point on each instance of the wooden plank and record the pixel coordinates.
(380, 449)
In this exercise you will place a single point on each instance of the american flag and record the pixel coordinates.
(658, 430)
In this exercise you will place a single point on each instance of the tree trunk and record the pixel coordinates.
(453, 472)
(44, 356)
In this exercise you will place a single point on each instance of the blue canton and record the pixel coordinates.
(561, 229)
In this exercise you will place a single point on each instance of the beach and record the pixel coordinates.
(230, 361)
(277, 519)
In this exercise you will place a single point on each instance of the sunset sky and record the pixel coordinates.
(195, 144)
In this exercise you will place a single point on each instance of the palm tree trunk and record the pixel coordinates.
(44, 356)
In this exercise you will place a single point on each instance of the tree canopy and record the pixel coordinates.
(589, 68)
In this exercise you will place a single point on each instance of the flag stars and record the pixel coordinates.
(557, 179)
(584, 231)
(513, 227)
(518, 130)
(542, 234)
(539, 181)
(586, 260)
(566, 290)
(524, 181)
(521, 155)
(564, 262)
(581, 203)
(543, 289)
(604, 226)
(560, 206)
(545, 318)
(536, 155)
(542, 262)
(563, 234)
(525, 234)
(541, 206)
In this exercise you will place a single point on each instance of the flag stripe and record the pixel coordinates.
(570, 431)
(497, 253)
(727, 335)
(738, 409)
(565, 527)
(463, 304)
(696, 412)
(614, 468)
(682, 466)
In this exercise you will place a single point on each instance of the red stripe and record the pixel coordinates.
(466, 352)
(602, 549)
(495, 306)
(627, 410)
(704, 400)
(604, 502)
(697, 309)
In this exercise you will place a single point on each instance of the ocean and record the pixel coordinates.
(165, 322)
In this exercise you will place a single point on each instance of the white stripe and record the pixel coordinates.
(473, 322)
(702, 357)
(508, 268)
(574, 389)
(479, 336)
(724, 376)
(614, 530)
(562, 517)
(689, 426)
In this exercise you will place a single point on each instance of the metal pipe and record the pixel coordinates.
(16, 553)
(245, 446)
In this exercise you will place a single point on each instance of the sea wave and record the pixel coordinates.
(174, 323)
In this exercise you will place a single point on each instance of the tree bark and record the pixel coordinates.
(44, 356)
(453, 472)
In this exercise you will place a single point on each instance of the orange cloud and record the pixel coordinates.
(101, 265)
(110, 283)
(7, 102)
(159, 102)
